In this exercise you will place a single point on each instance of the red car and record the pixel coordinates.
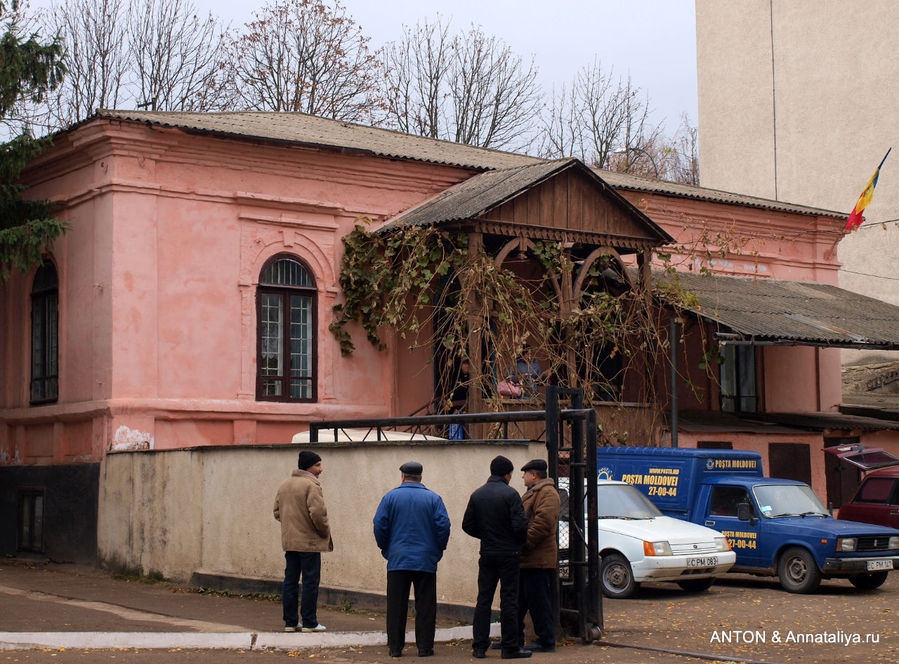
(877, 499)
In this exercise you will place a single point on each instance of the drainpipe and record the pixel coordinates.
(672, 337)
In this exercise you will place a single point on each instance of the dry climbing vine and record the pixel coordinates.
(422, 284)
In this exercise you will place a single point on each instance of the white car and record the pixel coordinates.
(637, 543)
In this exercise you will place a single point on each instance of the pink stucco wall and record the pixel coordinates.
(157, 288)
(744, 241)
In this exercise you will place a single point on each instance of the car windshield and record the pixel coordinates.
(778, 500)
(622, 501)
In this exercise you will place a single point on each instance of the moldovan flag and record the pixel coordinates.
(855, 219)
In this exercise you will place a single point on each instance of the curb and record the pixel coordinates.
(215, 640)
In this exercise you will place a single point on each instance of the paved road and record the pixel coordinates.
(739, 619)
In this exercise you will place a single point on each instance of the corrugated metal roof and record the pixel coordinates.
(705, 422)
(325, 133)
(334, 134)
(651, 185)
(477, 194)
(769, 310)
(831, 421)
(482, 192)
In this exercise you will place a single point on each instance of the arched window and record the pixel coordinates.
(45, 335)
(285, 305)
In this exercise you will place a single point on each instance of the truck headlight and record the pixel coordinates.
(721, 544)
(846, 543)
(894, 542)
(656, 549)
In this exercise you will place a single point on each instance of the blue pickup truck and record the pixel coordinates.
(775, 526)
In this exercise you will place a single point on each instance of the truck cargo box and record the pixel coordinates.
(671, 476)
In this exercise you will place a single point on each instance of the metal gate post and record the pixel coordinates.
(577, 545)
(552, 452)
(552, 430)
(594, 621)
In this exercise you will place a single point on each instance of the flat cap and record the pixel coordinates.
(411, 468)
(535, 464)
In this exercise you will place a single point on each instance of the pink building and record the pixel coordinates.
(189, 303)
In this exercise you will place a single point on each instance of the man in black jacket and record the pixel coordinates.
(495, 516)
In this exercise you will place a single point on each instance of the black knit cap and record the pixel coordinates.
(307, 459)
(501, 466)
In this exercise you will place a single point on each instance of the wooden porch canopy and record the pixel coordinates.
(559, 200)
(509, 210)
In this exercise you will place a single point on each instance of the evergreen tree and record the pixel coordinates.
(29, 69)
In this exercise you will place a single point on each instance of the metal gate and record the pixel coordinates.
(571, 435)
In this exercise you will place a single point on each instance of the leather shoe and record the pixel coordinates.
(496, 645)
(425, 652)
(521, 653)
(539, 647)
(478, 654)
(396, 653)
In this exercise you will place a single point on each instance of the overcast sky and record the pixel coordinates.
(652, 40)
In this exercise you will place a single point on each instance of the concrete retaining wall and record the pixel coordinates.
(208, 510)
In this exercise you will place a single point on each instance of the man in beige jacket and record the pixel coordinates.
(539, 557)
(300, 507)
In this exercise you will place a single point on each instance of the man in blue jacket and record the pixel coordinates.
(412, 529)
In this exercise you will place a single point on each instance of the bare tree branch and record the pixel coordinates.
(301, 55)
(178, 58)
(603, 121)
(416, 69)
(96, 57)
(684, 154)
(470, 88)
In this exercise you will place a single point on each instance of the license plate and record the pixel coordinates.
(874, 565)
(710, 561)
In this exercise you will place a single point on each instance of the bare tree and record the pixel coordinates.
(178, 58)
(561, 134)
(416, 69)
(683, 154)
(94, 34)
(495, 95)
(674, 158)
(470, 88)
(602, 120)
(302, 55)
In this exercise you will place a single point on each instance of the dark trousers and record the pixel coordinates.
(493, 569)
(309, 564)
(535, 595)
(398, 584)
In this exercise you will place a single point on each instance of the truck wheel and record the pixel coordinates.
(868, 581)
(696, 585)
(798, 571)
(617, 577)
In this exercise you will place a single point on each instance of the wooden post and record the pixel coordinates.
(644, 263)
(566, 306)
(475, 340)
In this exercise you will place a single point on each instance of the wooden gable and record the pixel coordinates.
(574, 200)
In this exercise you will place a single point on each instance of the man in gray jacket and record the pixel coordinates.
(305, 533)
